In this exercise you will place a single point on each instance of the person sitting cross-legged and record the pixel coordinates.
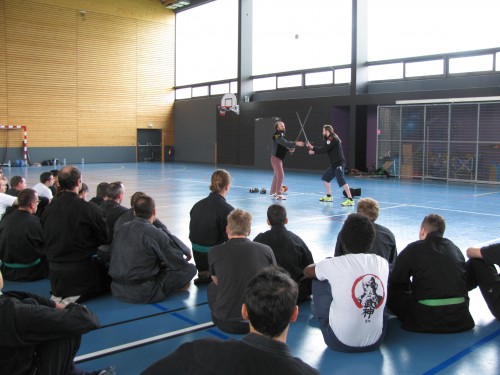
(350, 292)
(427, 286)
(21, 241)
(269, 303)
(290, 250)
(40, 336)
(232, 265)
(146, 264)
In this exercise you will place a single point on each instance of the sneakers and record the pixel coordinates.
(326, 198)
(281, 197)
(347, 203)
(111, 370)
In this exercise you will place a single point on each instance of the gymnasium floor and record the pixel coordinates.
(134, 336)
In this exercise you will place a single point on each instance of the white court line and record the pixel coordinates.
(479, 195)
(487, 242)
(133, 344)
(460, 211)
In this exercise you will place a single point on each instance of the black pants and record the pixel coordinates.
(56, 356)
(485, 276)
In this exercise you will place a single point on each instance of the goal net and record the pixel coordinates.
(14, 141)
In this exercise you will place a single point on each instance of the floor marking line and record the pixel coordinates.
(462, 353)
(137, 343)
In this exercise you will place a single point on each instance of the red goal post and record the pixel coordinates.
(25, 138)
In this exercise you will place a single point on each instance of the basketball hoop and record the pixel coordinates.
(223, 109)
(228, 103)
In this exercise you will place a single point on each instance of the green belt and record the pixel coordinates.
(442, 301)
(22, 265)
(201, 248)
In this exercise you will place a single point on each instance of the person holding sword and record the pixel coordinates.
(332, 147)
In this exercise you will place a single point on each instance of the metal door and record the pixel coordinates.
(149, 145)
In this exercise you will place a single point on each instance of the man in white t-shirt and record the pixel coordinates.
(43, 187)
(351, 291)
(5, 199)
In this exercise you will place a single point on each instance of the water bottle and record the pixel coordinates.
(83, 161)
(55, 162)
(64, 161)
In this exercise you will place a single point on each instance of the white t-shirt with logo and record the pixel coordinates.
(359, 292)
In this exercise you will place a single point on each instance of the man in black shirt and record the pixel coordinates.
(270, 305)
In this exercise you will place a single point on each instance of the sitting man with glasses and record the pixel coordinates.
(21, 241)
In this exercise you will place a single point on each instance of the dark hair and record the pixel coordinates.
(144, 207)
(134, 197)
(68, 177)
(434, 223)
(114, 190)
(270, 298)
(84, 188)
(101, 190)
(357, 234)
(45, 176)
(26, 197)
(220, 179)
(55, 172)
(276, 214)
(16, 180)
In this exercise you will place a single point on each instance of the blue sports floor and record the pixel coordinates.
(134, 336)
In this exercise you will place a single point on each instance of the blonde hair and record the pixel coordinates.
(368, 207)
(220, 179)
(239, 222)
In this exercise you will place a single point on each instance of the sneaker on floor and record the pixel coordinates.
(272, 196)
(347, 203)
(326, 198)
(111, 370)
(280, 197)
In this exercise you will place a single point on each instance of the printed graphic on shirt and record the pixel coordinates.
(368, 294)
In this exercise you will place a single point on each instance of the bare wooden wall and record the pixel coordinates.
(86, 73)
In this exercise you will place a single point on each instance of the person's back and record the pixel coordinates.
(290, 250)
(385, 242)
(112, 206)
(21, 241)
(435, 299)
(73, 230)
(269, 303)
(231, 266)
(351, 291)
(146, 264)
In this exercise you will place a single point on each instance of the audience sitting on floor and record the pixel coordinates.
(42, 188)
(147, 265)
(481, 272)
(6, 200)
(208, 223)
(101, 194)
(349, 294)
(40, 336)
(290, 251)
(54, 188)
(21, 241)
(427, 286)
(232, 265)
(17, 183)
(73, 230)
(129, 216)
(84, 191)
(385, 242)
(269, 303)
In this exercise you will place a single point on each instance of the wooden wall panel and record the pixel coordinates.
(86, 79)
(155, 77)
(3, 69)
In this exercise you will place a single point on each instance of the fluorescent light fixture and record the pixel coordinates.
(450, 100)
(177, 4)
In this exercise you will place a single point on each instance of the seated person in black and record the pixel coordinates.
(290, 251)
(269, 303)
(42, 337)
(21, 241)
(427, 286)
(481, 272)
(385, 242)
(101, 194)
